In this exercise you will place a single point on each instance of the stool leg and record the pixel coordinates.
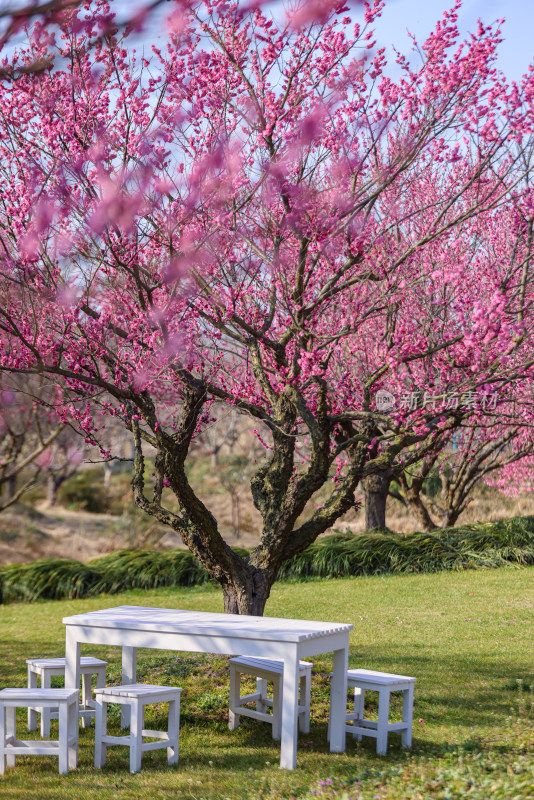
(45, 712)
(173, 731)
(86, 697)
(32, 712)
(235, 692)
(63, 738)
(11, 731)
(359, 708)
(407, 716)
(136, 737)
(305, 698)
(100, 677)
(277, 707)
(2, 739)
(383, 717)
(261, 687)
(101, 720)
(72, 735)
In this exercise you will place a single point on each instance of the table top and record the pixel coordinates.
(205, 623)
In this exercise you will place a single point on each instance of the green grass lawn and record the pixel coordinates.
(466, 636)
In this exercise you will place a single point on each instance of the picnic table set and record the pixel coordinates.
(272, 650)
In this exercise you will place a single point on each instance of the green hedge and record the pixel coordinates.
(484, 545)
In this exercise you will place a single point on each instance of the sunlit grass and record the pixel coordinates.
(467, 637)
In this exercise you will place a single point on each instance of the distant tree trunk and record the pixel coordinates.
(420, 511)
(451, 517)
(10, 487)
(376, 489)
(51, 490)
(53, 482)
(107, 475)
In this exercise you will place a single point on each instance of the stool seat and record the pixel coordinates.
(65, 747)
(137, 696)
(44, 695)
(138, 690)
(47, 668)
(86, 662)
(369, 676)
(363, 680)
(270, 665)
(267, 669)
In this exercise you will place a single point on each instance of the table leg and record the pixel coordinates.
(72, 681)
(290, 701)
(72, 660)
(338, 700)
(129, 670)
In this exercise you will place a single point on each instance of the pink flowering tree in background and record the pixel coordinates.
(469, 456)
(259, 216)
(497, 429)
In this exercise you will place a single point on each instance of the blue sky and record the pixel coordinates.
(419, 17)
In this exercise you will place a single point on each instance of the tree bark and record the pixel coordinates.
(451, 517)
(420, 511)
(51, 490)
(10, 488)
(53, 483)
(376, 489)
(252, 601)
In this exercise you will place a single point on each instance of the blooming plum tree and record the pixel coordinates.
(260, 215)
(470, 455)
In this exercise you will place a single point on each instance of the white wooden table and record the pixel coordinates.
(198, 631)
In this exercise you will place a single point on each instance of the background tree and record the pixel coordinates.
(27, 430)
(261, 217)
(439, 489)
(221, 432)
(60, 461)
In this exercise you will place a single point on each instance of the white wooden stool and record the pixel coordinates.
(267, 669)
(66, 746)
(137, 696)
(46, 668)
(364, 680)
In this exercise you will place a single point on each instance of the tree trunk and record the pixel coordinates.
(107, 475)
(53, 482)
(10, 487)
(376, 488)
(251, 600)
(421, 512)
(451, 518)
(51, 490)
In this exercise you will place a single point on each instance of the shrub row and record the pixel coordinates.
(53, 579)
(483, 545)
